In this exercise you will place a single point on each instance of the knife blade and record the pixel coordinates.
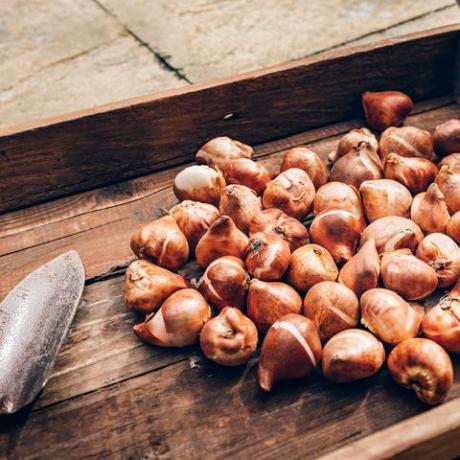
(34, 320)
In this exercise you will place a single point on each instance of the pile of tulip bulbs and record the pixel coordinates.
(340, 295)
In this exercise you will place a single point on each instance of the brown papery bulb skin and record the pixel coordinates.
(386, 108)
(453, 227)
(352, 355)
(249, 173)
(446, 137)
(362, 271)
(290, 229)
(351, 141)
(388, 316)
(162, 242)
(241, 204)
(407, 141)
(178, 322)
(448, 181)
(229, 339)
(442, 254)
(194, 219)
(452, 160)
(338, 231)
(147, 285)
(199, 183)
(292, 191)
(332, 307)
(220, 151)
(429, 210)
(268, 302)
(407, 275)
(225, 282)
(222, 239)
(267, 256)
(391, 233)
(309, 161)
(385, 197)
(416, 174)
(291, 349)
(423, 366)
(309, 265)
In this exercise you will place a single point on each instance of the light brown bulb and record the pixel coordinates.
(407, 141)
(194, 219)
(416, 174)
(309, 161)
(388, 316)
(309, 265)
(385, 197)
(249, 173)
(241, 204)
(391, 233)
(423, 366)
(225, 282)
(352, 355)
(407, 275)
(268, 302)
(162, 242)
(292, 191)
(442, 254)
(290, 229)
(267, 256)
(453, 227)
(229, 339)
(452, 160)
(362, 271)
(220, 151)
(178, 322)
(291, 349)
(448, 181)
(338, 231)
(222, 239)
(332, 307)
(446, 137)
(429, 210)
(352, 140)
(386, 108)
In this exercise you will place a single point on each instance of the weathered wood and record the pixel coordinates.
(124, 140)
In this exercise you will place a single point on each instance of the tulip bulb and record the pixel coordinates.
(291, 349)
(442, 254)
(162, 242)
(332, 307)
(352, 140)
(292, 191)
(362, 271)
(307, 160)
(448, 181)
(423, 366)
(194, 219)
(225, 282)
(386, 108)
(446, 137)
(241, 204)
(388, 316)
(178, 322)
(452, 160)
(222, 239)
(453, 227)
(429, 210)
(309, 265)
(249, 173)
(385, 197)
(416, 174)
(199, 183)
(288, 228)
(352, 355)
(229, 339)
(268, 302)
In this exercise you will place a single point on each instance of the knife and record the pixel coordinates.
(34, 320)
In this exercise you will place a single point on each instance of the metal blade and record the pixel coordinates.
(34, 320)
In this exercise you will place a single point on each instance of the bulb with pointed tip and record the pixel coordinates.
(453, 227)
(452, 160)
(249, 173)
(407, 141)
(446, 137)
(352, 140)
(448, 181)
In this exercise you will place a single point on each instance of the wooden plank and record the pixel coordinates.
(129, 139)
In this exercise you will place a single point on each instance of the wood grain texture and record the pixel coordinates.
(125, 140)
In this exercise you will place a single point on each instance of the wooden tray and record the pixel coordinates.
(88, 179)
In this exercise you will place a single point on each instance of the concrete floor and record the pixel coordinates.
(62, 55)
